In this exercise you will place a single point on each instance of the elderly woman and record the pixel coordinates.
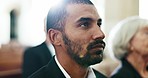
(128, 41)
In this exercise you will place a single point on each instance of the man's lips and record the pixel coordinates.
(99, 45)
(97, 49)
(96, 45)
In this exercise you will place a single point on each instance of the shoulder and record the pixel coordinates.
(50, 70)
(38, 47)
(126, 71)
(41, 73)
(35, 49)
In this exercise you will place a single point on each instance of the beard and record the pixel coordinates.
(74, 49)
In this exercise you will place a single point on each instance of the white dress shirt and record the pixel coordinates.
(91, 73)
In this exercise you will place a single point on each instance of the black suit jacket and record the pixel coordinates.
(126, 71)
(34, 58)
(51, 70)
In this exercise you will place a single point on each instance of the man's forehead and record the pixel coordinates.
(82, 11)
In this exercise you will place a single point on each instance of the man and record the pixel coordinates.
(36, 57)
(74, 30)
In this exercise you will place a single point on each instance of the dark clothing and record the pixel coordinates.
(126, 71)
(51, 70)
(34, 58)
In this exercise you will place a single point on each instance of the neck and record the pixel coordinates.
(71, 67)
(78, 72)
(139, 63)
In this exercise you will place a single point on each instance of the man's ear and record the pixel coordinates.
(55, 36)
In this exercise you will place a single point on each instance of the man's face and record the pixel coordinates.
(82, 35)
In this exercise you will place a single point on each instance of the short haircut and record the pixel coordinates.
(122, 33)
(57, 14)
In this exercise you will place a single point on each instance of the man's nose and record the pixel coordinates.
(98, 33)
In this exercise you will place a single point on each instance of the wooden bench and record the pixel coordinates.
(11, 60)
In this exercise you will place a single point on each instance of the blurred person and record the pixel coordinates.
(129, 42)
(74, 29)
(37, 56)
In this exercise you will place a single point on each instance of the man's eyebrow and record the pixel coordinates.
(85, 19)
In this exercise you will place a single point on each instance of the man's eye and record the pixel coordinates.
(86, 24)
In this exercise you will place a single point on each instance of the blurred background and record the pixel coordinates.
(22, 25)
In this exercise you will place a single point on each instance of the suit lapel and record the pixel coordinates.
(53, 70)
(98, 74)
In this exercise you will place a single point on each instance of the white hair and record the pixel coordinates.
(122, 33)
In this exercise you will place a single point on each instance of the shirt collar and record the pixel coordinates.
(62, 69)
(91, 73)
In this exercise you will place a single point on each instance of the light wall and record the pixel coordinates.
(30, 21)
(143, 11)
(116, 10)
(31, 14)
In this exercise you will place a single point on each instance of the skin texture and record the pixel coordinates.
(138, 55)
(81, 44)
(141, 39)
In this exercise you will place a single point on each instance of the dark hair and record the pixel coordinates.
(57, 14)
